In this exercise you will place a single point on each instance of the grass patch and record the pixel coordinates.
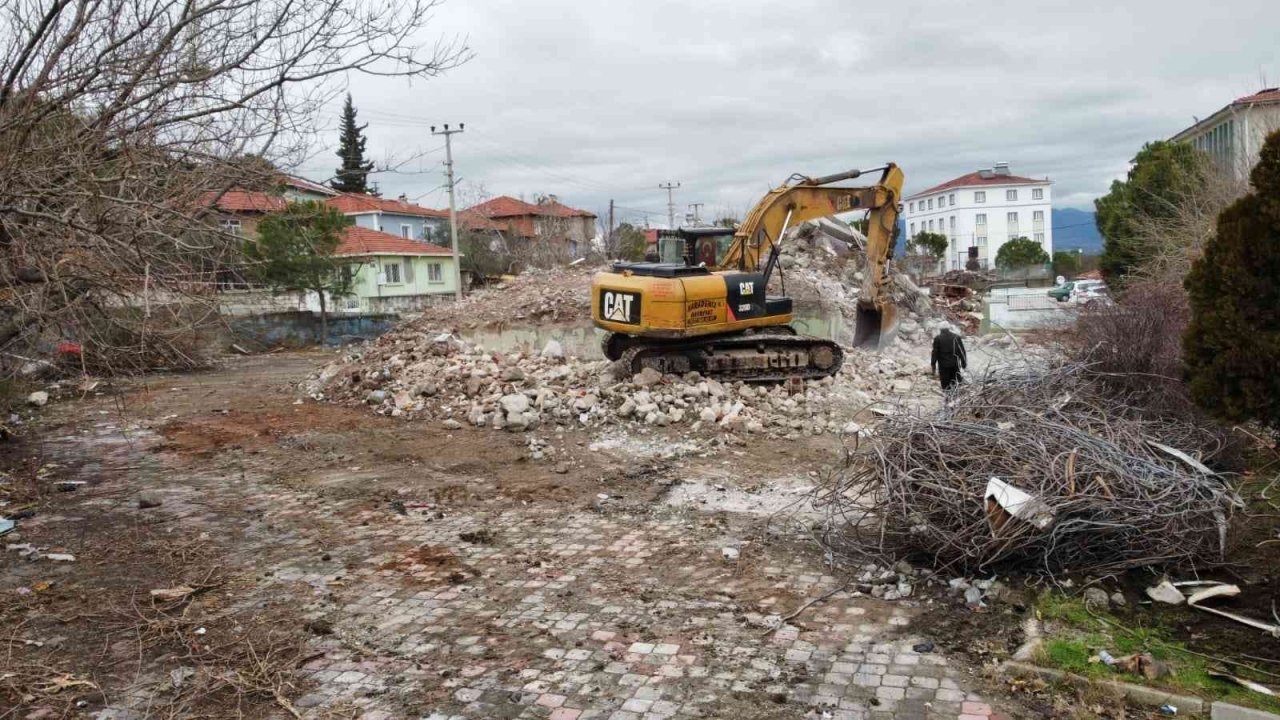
(1082, 634)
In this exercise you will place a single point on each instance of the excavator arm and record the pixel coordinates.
(757, 241)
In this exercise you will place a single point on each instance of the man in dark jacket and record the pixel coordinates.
(948, 357)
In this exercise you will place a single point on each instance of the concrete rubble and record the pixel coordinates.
(419, 371)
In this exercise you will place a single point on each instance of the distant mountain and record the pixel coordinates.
(1076, 229)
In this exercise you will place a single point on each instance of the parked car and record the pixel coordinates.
(1062, 293)
(1087, 290)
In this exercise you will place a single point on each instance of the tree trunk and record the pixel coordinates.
(324, 321)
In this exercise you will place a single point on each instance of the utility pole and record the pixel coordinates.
(453, 211)
(671, 204)
(697, 219)
(608, 238)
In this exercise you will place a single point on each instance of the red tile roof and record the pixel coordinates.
(506, 206)
(475, 221)
(243, 201)
(975, 179)
(1262, 96)
(358, 241)
(351, 203)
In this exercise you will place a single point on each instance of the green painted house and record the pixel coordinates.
(394, 274)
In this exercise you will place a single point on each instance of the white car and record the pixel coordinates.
(1088, 290)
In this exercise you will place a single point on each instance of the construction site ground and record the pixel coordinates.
(321, 561)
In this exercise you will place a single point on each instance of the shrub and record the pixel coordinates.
(1232, 344)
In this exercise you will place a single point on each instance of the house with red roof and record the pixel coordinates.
(980, 211)
(560, 232)
(397, 217)
(1233, 136)
(391, 272)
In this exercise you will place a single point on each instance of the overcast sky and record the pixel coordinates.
(592, 100)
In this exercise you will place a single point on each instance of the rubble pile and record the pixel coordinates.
(823, 265)
(1039, 467)
(439, 376)
(557, 295)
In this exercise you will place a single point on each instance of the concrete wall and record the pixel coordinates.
(1017, 309)
(300, 329)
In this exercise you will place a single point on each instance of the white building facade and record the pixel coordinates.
(981, 211)
(1234, 135)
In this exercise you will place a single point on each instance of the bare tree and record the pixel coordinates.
(1175, 240)
(122, 122)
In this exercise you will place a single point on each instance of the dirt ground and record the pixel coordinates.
(321, 561)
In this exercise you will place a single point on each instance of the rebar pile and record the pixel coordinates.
(1105, 497)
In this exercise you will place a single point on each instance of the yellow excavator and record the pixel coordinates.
(678, 317)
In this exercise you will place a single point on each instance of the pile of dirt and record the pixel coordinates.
(557, 295)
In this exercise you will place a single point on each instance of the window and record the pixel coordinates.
(930, 226)
(953, 224)
(231, 227)
(1011, 195)
(912, 206)
(913, 230)
(406, 231)
(352, 302)
(980, 219)
(435, 273)
(980, 196)
(573, 249)
(391, 273)
(1012, 218)
(1037, 221)
(1037, 193)
(930, 203)
(1039, 237)
(408, 269)
(1038, 215)
(1013, 225)
(951, 199)
(981, 241)
(942, 201)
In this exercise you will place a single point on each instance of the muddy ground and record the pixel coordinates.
(322, 561)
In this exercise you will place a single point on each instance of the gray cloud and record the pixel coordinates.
(600, 100)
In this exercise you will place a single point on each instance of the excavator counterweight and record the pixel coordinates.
(720, 321)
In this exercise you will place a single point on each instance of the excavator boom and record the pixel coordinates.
(759, 238)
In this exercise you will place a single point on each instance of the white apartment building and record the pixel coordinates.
(1234, 135)
(981, 211)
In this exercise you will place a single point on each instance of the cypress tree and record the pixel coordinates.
(353, 175)
(1232, 345)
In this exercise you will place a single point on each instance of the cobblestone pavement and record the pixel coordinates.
(509, 609)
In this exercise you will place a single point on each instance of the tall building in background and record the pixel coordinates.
(1233, 136)
(981, 211)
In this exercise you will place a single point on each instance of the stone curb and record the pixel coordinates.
(1142, 695)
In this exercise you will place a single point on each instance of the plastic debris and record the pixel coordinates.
(6, 525)
(729, 553)
(61, 557)
(1005, 501)
(1225, 590)
(924, 647)
(1251, 685)
(1168, 709)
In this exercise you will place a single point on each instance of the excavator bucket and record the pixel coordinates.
(875, 328)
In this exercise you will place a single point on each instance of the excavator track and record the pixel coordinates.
(760, 357)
